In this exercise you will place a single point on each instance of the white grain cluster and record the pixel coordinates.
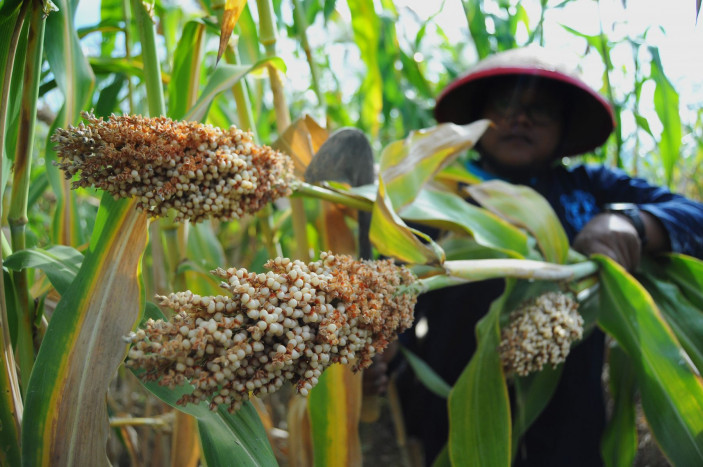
(287, 324)
(539, 332)
(198, 170)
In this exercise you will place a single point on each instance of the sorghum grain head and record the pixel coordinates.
(198, 170)
(287, 324)
(540, 331)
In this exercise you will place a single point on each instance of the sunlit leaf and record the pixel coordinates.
(300, 141)
(408, 164)
(392, 237)
(222, 79)
(619, 445)
(65, 420)
(479, 408)
(666, 104)
(687, 272)
(233, 8)
(334, 405)
(672, 395)
(524, 207)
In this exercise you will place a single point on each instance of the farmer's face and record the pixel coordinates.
(527, 130)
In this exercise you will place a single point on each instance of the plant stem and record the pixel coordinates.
(480, 269)
(128, 52)
(11, 395)
(267, 36)
(17, 215)
(302, 26)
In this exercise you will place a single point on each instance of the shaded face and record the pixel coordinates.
(528, 120)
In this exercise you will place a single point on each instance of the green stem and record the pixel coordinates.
(605, 53)
(17, 215)
(480, 269)
(302, 26)
(128, 52)
(10, 399)
(241, 97)
(267, 37)
(150, 58)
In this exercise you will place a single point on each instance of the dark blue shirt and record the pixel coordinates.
(580, 192)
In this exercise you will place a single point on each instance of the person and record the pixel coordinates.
(541, 111)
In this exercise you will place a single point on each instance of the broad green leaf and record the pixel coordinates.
(366, 27)
(60, 263)
(672, 395)
(109, 96)
(334, 406)
(408, 164)
(685, 319)
(477, 27)
(426, 374)
(619, 444)
(524, 207)
(666, 104)
(392, 237)
(449, 211)
(65, 419)
(222, 79)
(185, 77)
(479, 408)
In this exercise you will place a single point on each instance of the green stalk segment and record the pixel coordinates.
(480, 269)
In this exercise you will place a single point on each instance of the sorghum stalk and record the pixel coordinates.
(10, 398)
(17, 215)
(150, 58)
(267, 37)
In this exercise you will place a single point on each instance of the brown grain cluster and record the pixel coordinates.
(198, 170)
(287, 324)
(540, 331)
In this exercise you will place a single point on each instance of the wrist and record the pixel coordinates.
(633, 214)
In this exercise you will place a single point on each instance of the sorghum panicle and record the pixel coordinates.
(539, 332)
(198, 170)
(287, 324)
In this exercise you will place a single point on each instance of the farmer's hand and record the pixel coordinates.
(612, 235)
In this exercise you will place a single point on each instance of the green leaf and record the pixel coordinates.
(479, 408)
(407, 165)
(524, 207)
(223, 79)
(619, 445)
(449, 211)
(60, 263)
(226, 438)
(687, 273)
(672, 395)
(666, 104)
(392, 237)
(334, 406)
(187, 61)
(477, 27)
(65, 420)
(427, 375)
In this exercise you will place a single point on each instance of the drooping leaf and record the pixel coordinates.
(479, 408)
(222, 79)
(427, 375)
(392, 237)
(672, 395)
(687, 273)
(619, 445)
(60, 263)
(65, 420)
(407, 165)
(448, 211)
(334, 405)
(524, 207)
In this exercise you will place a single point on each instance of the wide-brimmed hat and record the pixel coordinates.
(590, 118)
